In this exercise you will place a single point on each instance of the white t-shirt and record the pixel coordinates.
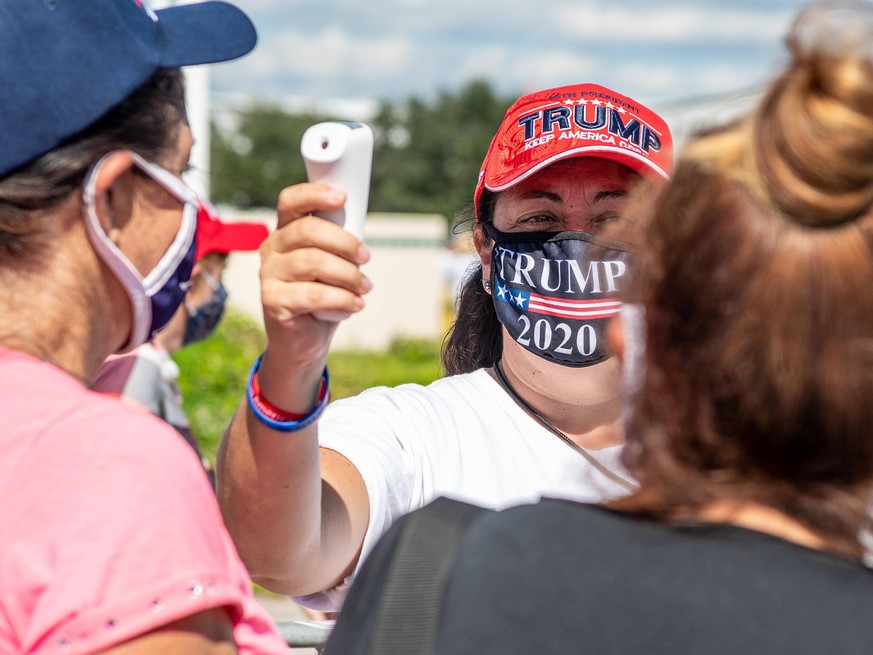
(462, 437)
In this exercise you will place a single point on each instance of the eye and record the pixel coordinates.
(605, 218)
(538, 221)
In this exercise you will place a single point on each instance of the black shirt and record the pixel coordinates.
(561, 577)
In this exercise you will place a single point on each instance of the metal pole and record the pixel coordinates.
(197, 100)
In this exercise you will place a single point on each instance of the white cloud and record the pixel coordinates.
(301, 62)
(398, 48)
(695, 81)
(660, 23)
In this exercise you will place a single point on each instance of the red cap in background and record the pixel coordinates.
(214, 235)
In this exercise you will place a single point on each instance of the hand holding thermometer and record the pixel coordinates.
(341, 154)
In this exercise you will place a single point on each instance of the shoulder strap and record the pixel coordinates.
(409, 611)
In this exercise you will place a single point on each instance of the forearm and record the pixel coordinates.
(298, 517)
(269, 490)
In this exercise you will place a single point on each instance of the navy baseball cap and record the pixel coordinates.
(65, 63)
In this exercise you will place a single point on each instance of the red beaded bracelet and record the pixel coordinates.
(279, 419)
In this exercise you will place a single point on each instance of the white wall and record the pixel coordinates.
(408, 252)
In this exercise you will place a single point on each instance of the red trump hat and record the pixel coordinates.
(214, 235)
(580, 120)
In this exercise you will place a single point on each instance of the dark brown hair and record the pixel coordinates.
(474, 340)
(757, 288)
(147, 121)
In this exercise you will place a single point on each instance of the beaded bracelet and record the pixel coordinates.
(275, 418)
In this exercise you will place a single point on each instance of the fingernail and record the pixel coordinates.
(335, 196)
(363, 254)
(366, 285)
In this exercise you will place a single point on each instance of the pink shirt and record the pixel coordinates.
(108, 526)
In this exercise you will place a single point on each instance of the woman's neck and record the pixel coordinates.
(584, 403)
(56, 317)
(58, 333)
(55, 352)
(760, 518)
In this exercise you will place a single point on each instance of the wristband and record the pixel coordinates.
(270, 410)
(277, 419)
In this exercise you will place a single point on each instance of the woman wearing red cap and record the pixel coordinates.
(112, 538)
(532, 407)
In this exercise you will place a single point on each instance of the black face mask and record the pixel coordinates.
(554, 292)
(203, 320)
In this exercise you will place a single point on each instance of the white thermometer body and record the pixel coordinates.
(341, 154)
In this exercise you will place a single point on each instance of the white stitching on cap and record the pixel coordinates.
(146, 6)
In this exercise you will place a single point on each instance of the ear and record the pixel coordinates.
(483, 248)
(615, 336)
(114, 192)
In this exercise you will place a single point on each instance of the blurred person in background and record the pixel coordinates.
(748, 367)
(112, 538)
(457, 261)
(532, 404)
(146, 377)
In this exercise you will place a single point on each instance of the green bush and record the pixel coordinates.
(213, 376)
(405, 360)
(214, 373)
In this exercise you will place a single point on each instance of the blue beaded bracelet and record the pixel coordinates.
(286, 426)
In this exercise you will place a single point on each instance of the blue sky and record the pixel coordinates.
(659, 52)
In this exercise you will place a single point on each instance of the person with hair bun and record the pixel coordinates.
(747, 349)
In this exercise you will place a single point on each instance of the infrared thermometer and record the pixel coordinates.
(341, 154)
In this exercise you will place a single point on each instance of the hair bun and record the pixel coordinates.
(813, 133)
(841, 28)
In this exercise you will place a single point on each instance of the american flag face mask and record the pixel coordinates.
(554, 292)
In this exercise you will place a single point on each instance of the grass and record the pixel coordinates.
(214, 373)
(405, 360)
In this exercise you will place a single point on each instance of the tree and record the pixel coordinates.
(430, 153)
(426, 159)
(251, 164)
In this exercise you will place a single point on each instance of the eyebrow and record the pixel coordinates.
(608, 195)
(554, 197)
(537, 194)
